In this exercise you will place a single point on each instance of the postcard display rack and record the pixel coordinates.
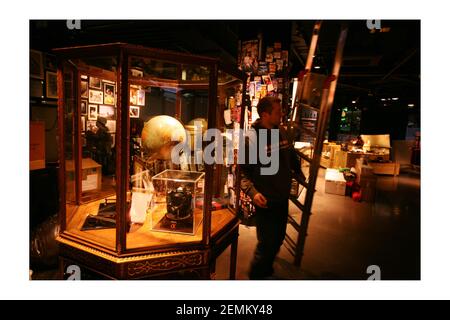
(131, 211)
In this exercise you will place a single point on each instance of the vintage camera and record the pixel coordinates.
(179, 204)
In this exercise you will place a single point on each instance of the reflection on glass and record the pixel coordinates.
(95, 217)
(69, 107)
(145, 67)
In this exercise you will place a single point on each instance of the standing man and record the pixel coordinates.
(270, 193)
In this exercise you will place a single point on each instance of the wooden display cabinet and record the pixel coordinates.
(121, 87)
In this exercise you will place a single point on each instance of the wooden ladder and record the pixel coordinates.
(328, 88)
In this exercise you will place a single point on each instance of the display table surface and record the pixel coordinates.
(185, 254)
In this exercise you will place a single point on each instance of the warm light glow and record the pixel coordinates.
(317, 67)
(411, 105)
(395, 99)
(383, 99)
(353, 101)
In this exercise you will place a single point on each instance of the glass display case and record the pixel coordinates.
(141, 196)
(178, 202)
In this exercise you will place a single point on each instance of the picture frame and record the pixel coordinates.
(134, 112)
(107, 111)
(109, 96)
(83, 123)
(92, 112)
(133, 96)
(95, 83)
(111, 125)
(51, 85)
(84, 89)
(83, 106)
(95, 96)
(36, 65)
(141, 97)
(36, 88)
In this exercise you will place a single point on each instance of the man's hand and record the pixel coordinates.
(260, 200)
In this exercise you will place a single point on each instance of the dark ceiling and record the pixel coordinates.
(376, 66)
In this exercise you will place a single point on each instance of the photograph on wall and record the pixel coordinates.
(95, 83)
(84, 89)
(83, 108)
(96, 96)
(134, 112)
(92, 112)
(133, 96)
(36, 64)
(109, 93)
(51, 89)
(111, 125)
(108, 112)
(141, 97)
(83, 123)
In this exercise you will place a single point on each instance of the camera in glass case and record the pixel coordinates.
(178, 205)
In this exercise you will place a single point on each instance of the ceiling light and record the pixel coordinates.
(411, 105)
(395, 99)
(317, 67)
(383, 99)
(353, 101)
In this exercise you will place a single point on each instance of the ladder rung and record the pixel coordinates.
(294, 224)
(290, 243)
(301, 181)
(303, 156)
(308, 131)
(297, 203)
(309, 107)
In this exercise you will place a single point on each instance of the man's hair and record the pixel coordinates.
(266, 104)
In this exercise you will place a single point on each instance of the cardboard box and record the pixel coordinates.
(91, 174)
(335, 182)
(37, 145)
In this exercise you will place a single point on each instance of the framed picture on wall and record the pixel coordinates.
(36, 64)
(111, 125)
(51, 89)
(95, 83)
(134, 112)
(109, 90)
(83, 123)
(92, 112)
(133, 96)
(141, 97)
(83, 108)
(96, 96)
(108, 112)
(84, 89)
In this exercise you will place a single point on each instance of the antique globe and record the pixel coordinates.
(160, 134)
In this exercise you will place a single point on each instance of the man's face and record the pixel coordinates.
(275, 115)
